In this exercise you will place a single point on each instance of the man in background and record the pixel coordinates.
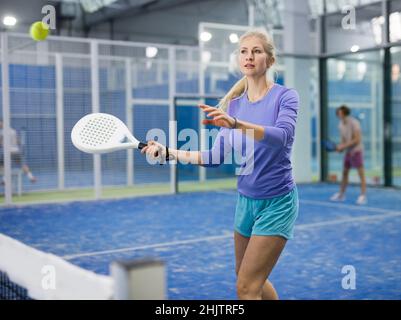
(16, 153)
(351, 143)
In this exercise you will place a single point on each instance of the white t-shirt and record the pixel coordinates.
(14, 147)
(348, 129)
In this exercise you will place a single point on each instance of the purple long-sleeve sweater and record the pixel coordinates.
(265, 164)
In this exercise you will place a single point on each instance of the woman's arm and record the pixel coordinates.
(278, 135)
(157, 151)
(193, 157)
(222, 119)
(209, 158)
(253, 131)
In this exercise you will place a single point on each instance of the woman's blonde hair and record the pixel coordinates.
(242, 85)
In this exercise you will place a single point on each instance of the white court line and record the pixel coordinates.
(331, 204)
(150, 246)
(348, 206)
(305, 226)
(367, 218)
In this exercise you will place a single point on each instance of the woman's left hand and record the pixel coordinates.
(220, 118)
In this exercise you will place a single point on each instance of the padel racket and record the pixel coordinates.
(102, 133)
(330, 146)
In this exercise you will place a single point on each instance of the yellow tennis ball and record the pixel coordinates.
(39, 31)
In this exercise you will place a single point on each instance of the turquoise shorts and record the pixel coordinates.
(267, 217)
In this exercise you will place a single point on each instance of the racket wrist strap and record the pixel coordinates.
(167, 157)
(234, 126)
(167, 154)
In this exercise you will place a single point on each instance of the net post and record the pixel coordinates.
(139, 279)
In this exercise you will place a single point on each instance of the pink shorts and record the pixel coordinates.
(353, 160)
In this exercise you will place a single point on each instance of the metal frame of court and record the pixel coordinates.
(93, 54)
(385, 47)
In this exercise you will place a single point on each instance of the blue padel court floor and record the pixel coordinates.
(193, 234)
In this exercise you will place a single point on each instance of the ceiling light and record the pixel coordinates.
(205, 36)
(9, 21)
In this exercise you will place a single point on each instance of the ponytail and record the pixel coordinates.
(237, 90)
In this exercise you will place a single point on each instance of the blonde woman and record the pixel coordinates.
(267, 204)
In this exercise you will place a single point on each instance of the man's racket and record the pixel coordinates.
(101, 133)
(330, 146)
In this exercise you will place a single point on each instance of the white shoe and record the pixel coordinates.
(362, 200)
(337, 197)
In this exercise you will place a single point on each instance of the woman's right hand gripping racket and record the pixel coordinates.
(102, 133)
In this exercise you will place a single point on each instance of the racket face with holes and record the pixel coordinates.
(101, 133)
